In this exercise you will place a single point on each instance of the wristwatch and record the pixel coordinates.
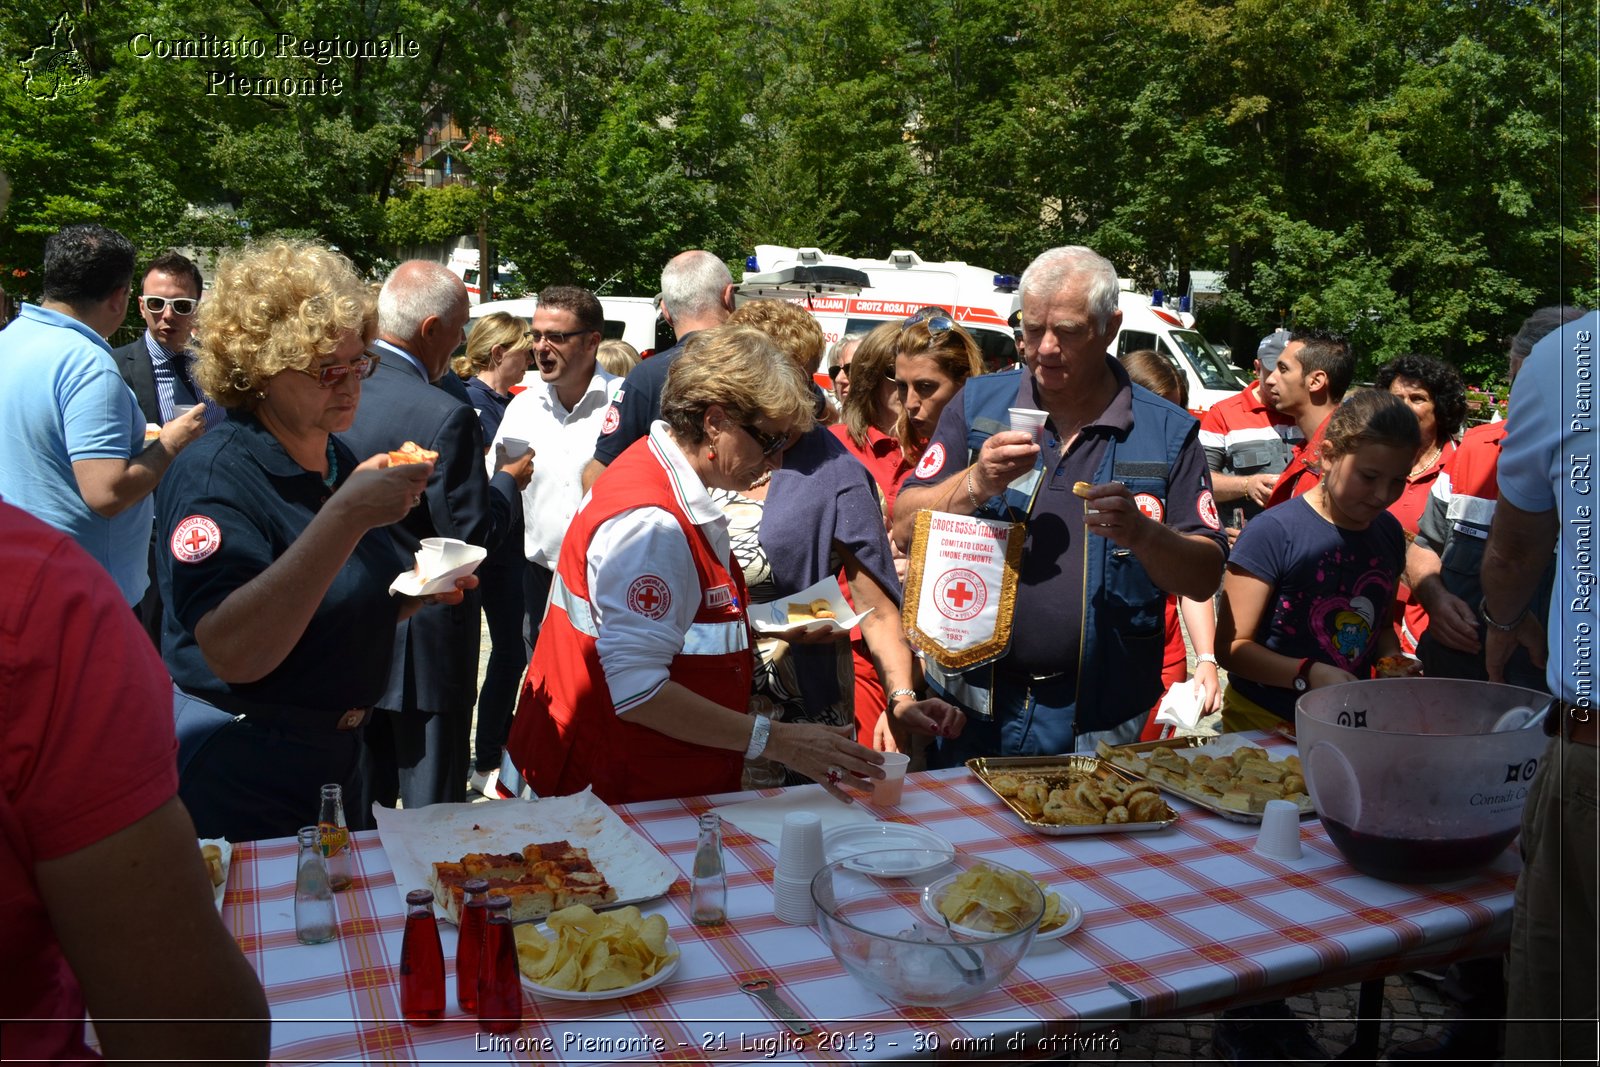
(1302, 675)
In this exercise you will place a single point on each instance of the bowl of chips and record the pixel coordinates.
(581, 954)
(881, 932)
(986, 898)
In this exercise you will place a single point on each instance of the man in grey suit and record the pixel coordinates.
(416, 742)
(156, 367)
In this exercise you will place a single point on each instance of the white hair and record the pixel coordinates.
(692, 284)
(1051, 271)
(836, 350)
(416, 290)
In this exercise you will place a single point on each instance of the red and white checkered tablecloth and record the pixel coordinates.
(1177, 921)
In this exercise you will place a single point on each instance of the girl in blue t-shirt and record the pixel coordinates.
(1311, 582)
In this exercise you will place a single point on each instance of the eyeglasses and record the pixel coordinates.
(181, 305)
(555, 337)
(935, 319)
(841, 369)
(769, 442)
(334, 373)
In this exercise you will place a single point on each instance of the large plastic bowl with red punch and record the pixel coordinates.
(1410, 776)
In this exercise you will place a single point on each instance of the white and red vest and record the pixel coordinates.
(567, 734)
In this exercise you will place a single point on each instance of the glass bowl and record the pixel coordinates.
(880, 931)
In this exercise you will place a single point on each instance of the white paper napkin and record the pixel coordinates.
(763, 818)
(1181, 705)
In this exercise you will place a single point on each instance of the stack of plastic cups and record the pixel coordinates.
(1279, 838)
(799, 859)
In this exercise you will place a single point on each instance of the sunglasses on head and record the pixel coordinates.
(334, 373)
(935, 319)
(769, 442)
(181, 305)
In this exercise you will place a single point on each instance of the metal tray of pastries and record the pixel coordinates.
(1236, 785)
(1063, 796)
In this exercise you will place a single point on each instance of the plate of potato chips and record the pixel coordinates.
(218, 856)
(983, 901)
(581, 954)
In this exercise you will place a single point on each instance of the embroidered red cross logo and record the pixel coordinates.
(196, 540)
(959, 593)
(648, 599)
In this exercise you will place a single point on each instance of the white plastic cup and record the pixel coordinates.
(1279, 837)
(890, 788)
(1029, 421)
(515, 447)
(792, 901)
(800, 847)
(180, 410)
(440, 554)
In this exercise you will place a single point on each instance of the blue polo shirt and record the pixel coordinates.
(230, 505)
(63, 399)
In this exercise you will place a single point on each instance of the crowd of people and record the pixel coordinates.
(230, 475)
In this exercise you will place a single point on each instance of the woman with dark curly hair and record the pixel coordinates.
(1435, 391)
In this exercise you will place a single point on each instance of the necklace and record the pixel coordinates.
(333, 465)
(1427, 461)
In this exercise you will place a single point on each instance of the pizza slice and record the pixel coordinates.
(411, 452)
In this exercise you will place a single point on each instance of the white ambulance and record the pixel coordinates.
(464, 265)
(849, 295)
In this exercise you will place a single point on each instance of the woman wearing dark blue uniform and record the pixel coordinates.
(275, 562)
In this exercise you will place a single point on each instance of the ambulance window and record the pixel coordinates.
(471, 276)
(997, 349)
(611, 329)
(1134, 340)
(1214, 371)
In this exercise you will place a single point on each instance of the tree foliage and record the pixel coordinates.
(1418, 173)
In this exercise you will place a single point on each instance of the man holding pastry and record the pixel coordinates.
(1115, 511)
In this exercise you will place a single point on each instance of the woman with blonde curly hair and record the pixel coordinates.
(274, 562)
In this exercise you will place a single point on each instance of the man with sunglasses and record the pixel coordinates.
(77, 453)
(417, 738)
(157, 365)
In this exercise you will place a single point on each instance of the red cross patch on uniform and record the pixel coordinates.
(932, 461)
(612, 421)
(1207, 506)
(1150, 505)
(649, 596)
(194, 539)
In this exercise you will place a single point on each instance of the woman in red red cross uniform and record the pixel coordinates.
(641, 677)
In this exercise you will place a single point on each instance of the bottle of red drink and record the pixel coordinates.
(499, 980)
(421, 962)
(469, 945)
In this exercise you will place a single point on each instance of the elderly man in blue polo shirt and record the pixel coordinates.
(1084, 661)
(74, 438)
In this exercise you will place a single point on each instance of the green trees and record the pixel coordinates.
(1418, 173)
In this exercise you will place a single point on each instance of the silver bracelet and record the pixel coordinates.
(912, 693)
(1205, 657)
(759, 731)
(972, 493)
(1503, 627)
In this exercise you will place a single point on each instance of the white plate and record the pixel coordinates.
(843, 842)
(1073, 910)
(412, 584)
(226, 848)
(772, 617)
(607, 994)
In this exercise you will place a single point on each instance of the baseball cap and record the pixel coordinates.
(1271, 347)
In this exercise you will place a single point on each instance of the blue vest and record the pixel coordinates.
(1123, 625)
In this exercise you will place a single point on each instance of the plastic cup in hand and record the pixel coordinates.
(1279, 837)
(180, 410)
(891, 787)
(515, 447)
(1029, 421)
(440, 554)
